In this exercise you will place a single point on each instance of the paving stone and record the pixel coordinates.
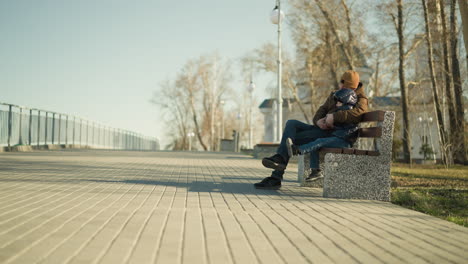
(88, 206)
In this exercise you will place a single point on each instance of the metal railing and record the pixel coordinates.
(29, 126)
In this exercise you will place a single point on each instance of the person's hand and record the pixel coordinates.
(329, 121)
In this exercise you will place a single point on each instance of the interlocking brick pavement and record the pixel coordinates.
(179, 207)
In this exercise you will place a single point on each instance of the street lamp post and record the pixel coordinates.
(420, 119)
(239, 134)
(251, 88)
(190, 135)
(426, 123)
(222, 102)
(429, 128)
(276, 18)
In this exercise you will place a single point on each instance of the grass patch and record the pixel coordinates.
(433, 190)
(448, 204)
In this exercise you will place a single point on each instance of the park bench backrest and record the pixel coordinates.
(382, 132)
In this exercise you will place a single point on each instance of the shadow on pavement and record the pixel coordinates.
(206, 186)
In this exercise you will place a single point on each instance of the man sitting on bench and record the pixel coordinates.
(343, 135)
(324, 120)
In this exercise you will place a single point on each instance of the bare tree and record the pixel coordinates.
(459, 137)
(464, 15)
(193, 101)
(448, 79)
(334, 29)
(263, 60)
(435, 93)
(214, 76)
(398, 22)
(188, 81)
(173, 102)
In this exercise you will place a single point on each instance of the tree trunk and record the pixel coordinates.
(349, 60)
(348, 22)
(293, 88)
(404, 95)
(463, 4)
(376, 83)
(435, 93)
(313, 92)
(331, 56)
(459, 135)
(350, 32)
(301, 107)
(195, 121)
(448, 84)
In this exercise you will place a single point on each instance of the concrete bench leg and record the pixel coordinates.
(356, 177)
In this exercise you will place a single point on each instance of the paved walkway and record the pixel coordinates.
(169, 207)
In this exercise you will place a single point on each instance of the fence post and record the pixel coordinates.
(104, 136)
(87, 132)
(20, 141)
(66, 131)
(46, 128)
(74, 128)
(59, 129)
(38, 127)
(30, 127)
(81, 131)
(53, 128)
(9, 124)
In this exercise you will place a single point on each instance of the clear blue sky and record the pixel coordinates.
(103, 59)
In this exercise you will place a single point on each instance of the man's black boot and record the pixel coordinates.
(275, 162)
(314, 175)
(293, 150)
(269, 183)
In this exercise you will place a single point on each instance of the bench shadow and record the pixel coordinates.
(206, 186)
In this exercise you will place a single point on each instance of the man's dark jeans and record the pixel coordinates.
(301, 133)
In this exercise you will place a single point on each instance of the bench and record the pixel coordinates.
(357, 173)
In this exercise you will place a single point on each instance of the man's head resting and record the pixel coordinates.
(350, 79)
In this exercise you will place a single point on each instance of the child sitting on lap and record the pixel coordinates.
(342, 136)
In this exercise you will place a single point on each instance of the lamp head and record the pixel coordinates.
(274, 17)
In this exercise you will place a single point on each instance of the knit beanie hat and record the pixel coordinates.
(350, 79)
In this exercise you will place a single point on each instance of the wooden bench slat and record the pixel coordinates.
(370, 132)
(350, 151)
(331, 150)
(374, 116)
(268, 145)
(360, 152)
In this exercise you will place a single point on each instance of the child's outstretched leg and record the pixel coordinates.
(314, 147)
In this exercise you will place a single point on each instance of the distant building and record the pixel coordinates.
(268, 109)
